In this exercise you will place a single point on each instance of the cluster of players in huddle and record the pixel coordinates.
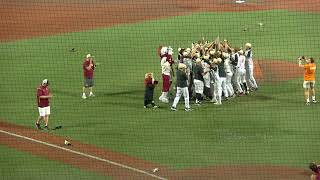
(210, 70)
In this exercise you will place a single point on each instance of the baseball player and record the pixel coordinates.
(43, 96)
(309, 78)
(188, 61)
(229, 73)
(198, 80)
(166, 63)
(241, 74)
(249, 67)
(88, 69)
(182, 88)
(206, 68)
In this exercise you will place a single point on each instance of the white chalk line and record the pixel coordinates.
(85, 155)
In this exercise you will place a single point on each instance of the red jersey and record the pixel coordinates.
(88, 73)
(43, 91)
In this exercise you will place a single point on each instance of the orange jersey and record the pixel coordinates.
(310, 72)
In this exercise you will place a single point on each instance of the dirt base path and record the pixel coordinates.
(121, 166)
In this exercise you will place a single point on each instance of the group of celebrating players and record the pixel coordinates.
(211, 70)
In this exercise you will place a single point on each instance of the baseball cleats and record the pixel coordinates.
(46, 128)
(164, 100)
(314, 101)
(213, 100)
(84, 97)
(155, 107)
(38, 126)
(188, 109)
(173, 108)
(307, 103)
(91, 95)
(217, 103)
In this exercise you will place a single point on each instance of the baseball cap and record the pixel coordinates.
(45, 81)
(89, 56)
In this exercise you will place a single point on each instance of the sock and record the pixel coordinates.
(308, 100)
(84, 94)
(245, 86)
(91, 93)
(165, 95)
(313, 98)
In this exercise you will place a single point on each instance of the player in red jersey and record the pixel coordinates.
(88, 69)
(43, 96)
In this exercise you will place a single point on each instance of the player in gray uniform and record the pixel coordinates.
(198, 80)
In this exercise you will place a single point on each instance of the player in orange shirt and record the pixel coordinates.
(309, 78)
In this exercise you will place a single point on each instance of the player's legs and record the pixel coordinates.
(42, 114)
(46, 117)
(185, 93)
(199, 90)
(224, 87)
(165, 88)
(85, 88)
(91, 91)
(238, 81)
(313, 91)
(243, 81)
(252, 80)
(306, 86)
(218, 91)
(177, 98)
(229, 84)
(306, 95)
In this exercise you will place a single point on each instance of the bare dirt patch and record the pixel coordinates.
(276, 71)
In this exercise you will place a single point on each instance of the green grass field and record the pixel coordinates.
(271, 126)
(38, 167)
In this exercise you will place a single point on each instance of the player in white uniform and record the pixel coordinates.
(229, 73)
(249, 67)
(241, 74)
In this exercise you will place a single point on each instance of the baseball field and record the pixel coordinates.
(268, 134)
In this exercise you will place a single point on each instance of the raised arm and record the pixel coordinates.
(300, 61)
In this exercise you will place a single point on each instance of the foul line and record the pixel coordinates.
(86, 155)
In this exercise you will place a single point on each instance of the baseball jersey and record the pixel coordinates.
(198, 70)
(181, 79)
(42, 91)
(165, 66)
(227, 65)
(310, 72)
(88, 73)
(221, 69)
(241, 62)
(248, 54)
